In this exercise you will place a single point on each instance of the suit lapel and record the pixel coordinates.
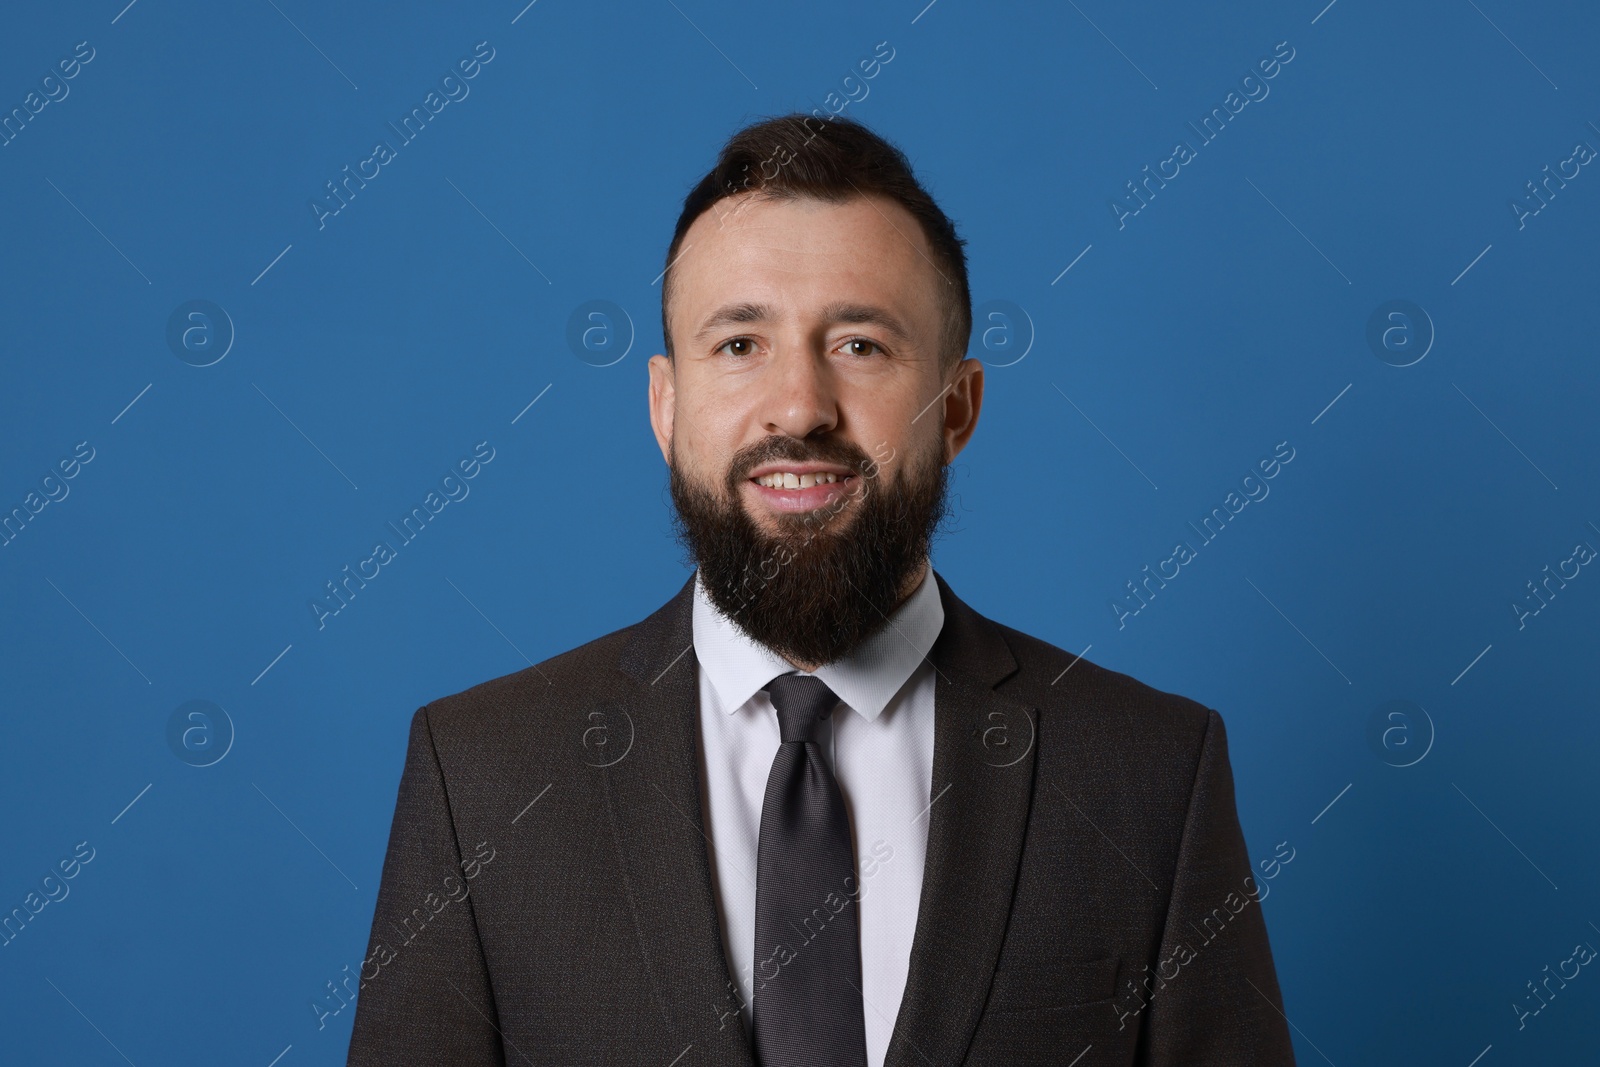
(983, 758)
(653, 798)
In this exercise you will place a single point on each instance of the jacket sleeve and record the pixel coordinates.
(424, 995)
(1215, 997)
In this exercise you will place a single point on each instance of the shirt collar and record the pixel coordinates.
(866, 680)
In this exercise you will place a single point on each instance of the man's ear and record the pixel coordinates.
(663, 401)
(961, 404)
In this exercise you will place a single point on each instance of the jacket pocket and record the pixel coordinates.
(1051, 984)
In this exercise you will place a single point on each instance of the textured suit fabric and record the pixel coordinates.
(547, 898)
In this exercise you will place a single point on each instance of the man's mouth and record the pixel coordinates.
(800, 487)
(791, 480)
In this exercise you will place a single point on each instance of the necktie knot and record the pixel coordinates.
(801, 700)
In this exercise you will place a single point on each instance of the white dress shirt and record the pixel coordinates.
(879, 744)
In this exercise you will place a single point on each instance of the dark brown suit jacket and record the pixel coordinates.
(547, 895)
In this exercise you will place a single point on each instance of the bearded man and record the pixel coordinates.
(815, 809)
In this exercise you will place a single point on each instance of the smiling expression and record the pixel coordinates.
(811, 320)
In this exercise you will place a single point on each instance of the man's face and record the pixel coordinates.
(806, 416)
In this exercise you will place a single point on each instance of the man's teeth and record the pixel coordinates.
(790, 480)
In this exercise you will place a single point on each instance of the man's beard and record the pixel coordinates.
(829, 579)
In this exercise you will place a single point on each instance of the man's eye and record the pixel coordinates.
(749, 346)
(856, 344)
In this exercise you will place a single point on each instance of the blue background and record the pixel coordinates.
(374, 352)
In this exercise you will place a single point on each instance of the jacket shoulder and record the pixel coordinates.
(565, 671)
(494, 711)
(1054, 679)
(1132, 757)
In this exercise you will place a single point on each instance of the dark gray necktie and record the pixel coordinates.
(807, 1009)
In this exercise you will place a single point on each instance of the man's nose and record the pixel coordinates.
(799, 397)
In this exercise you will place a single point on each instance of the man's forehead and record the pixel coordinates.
(863, 260)
(840, 312)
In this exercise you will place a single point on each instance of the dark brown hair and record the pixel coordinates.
(797, 155)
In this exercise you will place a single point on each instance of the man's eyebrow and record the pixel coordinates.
(840, 311)
(866, 314)
(734, 314)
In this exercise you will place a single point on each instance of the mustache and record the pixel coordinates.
(794, 450)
